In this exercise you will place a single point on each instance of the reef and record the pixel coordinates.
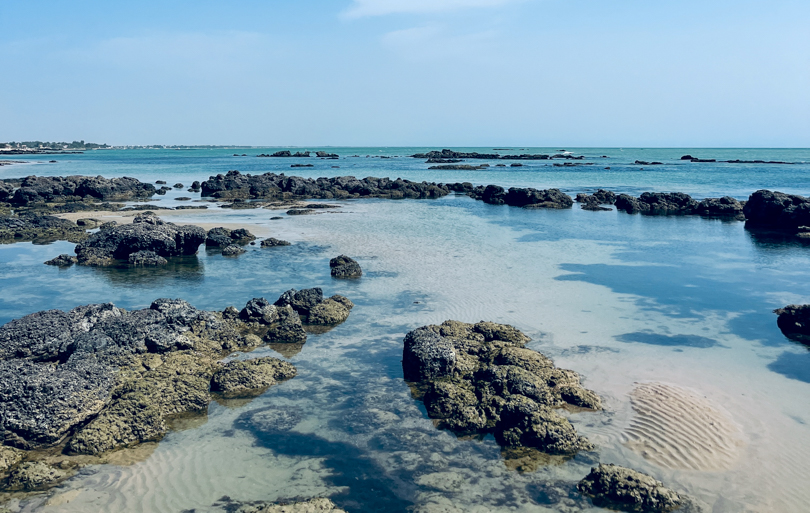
(479, 378)
(619, 488)
(345, 267)
(146, 233)
(281, 187)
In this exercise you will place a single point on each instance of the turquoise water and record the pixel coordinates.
(699, 179)
(621, 299)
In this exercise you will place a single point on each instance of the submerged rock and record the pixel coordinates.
(794, 321)
(146, 233)
(345, 267)
(34, 475)
(273, 242)
(478, 378)
(63, 260)
(145, 258)
(614, 487)
(232, 250)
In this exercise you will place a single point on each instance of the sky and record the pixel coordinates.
(567, 73)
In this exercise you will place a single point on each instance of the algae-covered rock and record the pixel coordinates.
(319, 505)
(333, 310)
(478, 378)
(345, 267)
(125, 423)
(614, 487)
(33, 475)
(287, 329)
(244, 376)
(9, 456)
(146, 258)
(32, 226)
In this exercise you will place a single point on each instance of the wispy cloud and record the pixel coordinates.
(364, 8)
(432, 42)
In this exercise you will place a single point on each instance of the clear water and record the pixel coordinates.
(619, 298)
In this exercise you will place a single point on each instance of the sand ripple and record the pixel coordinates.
(675, 428)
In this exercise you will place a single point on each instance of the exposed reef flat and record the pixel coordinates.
(272, 186)
(478, 379)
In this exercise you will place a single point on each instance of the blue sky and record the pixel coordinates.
(408, 72)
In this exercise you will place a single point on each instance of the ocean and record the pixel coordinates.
(677, 309)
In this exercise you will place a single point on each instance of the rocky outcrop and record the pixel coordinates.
(344, 267)
(619, 488)
(526, 198)
(98, 377)
(601, 197)
(34, 475)
(281, 187)
(146, 233)
(450, 154)
(30, 226)
(319, 505)
(280, 324)
(794, 321)
(221, 237)
(678, 203)
(146, 258)
(246, 376)
(272, 242)
(311, 306)
(232, 250)
(776, 210)
(478, 379)
(63, 260)
(57, 189)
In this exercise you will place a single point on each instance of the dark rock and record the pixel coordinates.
(300, 211)
(614, 487)
(776, 210)
(57, 189)
(281, 187)
(183, 198)
(288, 329)
(645, 163)
(146, 258)
(302, 165)
(232, 250)
(478, 379)
(178, 186)
(63, 260)
(458, 167)
(259, 310)
(794, 321)
(160, 182)
(273, 242)
(325, 155)
(515, 165)
(657, 203)
(345, 267)
(147, 232)
(222, 237)
(435, 160)
(687, 157)
(301, 300)
(30, 226)
(720, 207)
(89, 223)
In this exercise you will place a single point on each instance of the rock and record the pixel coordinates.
(288, 329)
(34, 475)
(30, 226)
(794, 321)
(160, 182)
(479, 379)
(776, 210)
(345, 267)
(63, 260)
(526, 198)
(657, 203)
(9, 457)
(259, 310)
(614, 487)
(178, 185)
(300, 211)
(183, 198)
(319, 505)
(56, 189)
(108, 225)
(88, 223)
(232, 250)
(301, 300)
(331, 311)
(273, 242)
(325, 155)
(591, 203)
(720, 207)
(146, 233)
(146, 258)
(230, 313)
(458, 167)
(246, 376)
(100, 378)
(605, 197)
(282, 187)
(222, 237)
